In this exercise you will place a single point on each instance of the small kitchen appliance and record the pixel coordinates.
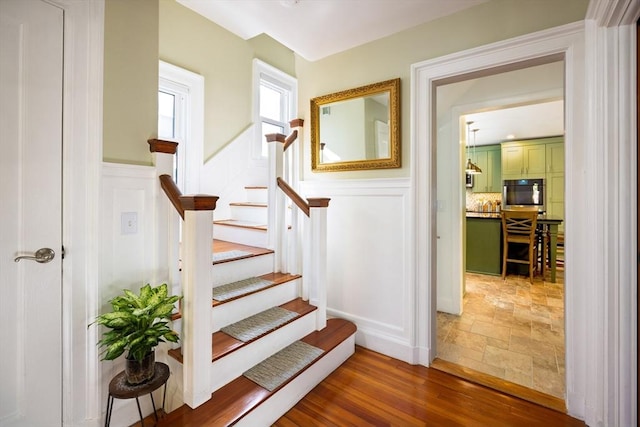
(524, 193)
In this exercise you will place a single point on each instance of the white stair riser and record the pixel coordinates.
(286, 398)
(233, 365)
(244, 236)
(241, 308)
(257, 214)
(233, 271)
(257, 195)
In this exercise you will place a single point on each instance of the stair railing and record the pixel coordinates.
(196, 278)
(292, 162)
(312, 232)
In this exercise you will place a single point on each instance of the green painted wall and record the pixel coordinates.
(393, 56)
(190, 41)
(139, 32)
(130, 103)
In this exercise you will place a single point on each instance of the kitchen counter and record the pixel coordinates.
(486, 215)
(484, 242)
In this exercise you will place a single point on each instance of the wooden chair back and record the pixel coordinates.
(519, 224)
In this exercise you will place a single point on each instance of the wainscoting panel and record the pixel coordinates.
(128, 255)
(368, 265)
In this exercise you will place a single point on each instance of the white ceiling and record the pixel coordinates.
(522, 122)
(315, 29)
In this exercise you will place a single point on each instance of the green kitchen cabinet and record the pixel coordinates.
(524, 159)
(486, 158)
(554, 181)
(555, 157)
(484, 245)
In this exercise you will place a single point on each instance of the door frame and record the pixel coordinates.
(81, 170)
(594, 319)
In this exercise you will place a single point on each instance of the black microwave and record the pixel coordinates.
(523, 193)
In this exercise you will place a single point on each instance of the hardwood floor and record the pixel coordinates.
(373, 389)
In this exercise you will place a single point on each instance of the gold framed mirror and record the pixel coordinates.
(357, 129)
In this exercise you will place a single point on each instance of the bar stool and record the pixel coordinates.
(519, 228)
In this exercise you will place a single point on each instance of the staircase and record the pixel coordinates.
(270, 344)
(248, 222)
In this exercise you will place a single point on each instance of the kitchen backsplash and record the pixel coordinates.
(476, 200)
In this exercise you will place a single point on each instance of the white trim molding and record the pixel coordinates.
(194, 126)
(82, 156)
(262, 69)
(566, 42)
(612, 128)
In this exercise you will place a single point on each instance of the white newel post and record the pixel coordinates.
(197, 280)
(276, 221)
(318, 258)
(292, 168)
(168, 221)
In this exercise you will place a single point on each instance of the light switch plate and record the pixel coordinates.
(129, 222)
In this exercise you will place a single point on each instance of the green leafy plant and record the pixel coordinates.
(138, 323)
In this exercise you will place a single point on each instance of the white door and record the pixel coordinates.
(30, 212)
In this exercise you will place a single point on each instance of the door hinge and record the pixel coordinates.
(62, 252)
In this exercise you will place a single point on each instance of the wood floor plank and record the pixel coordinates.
(379, 390)
(371, 389)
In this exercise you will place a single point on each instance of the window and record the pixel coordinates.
(181, 119)
(171, 120)
(275, 105)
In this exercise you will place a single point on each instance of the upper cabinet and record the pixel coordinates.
(538, 158)
(487, 158)
(555, 156)
(525, 159)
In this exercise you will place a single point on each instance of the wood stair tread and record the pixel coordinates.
(241, 224)
(231, 402)
(275, 278)
(225, 246)
(223, 344)
(249, 204)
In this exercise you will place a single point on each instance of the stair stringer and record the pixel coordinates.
(234, 364)
(241, 308)
(285, 398)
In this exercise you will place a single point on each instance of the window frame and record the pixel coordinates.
(285, 84)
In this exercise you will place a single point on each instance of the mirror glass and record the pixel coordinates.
(357, 128)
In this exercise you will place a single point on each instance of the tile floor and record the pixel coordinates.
(510, 329)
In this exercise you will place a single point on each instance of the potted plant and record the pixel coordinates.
(138, 323)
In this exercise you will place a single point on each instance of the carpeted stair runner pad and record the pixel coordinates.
(241, 287)
(259, 324)
(222, 256)
(277, 369)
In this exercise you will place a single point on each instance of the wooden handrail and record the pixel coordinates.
(295, 197)
(173, 193)
(162, 146)
(290, 139)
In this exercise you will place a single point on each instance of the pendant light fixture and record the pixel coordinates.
(471, 168)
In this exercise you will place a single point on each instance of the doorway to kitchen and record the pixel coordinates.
(509, 332)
